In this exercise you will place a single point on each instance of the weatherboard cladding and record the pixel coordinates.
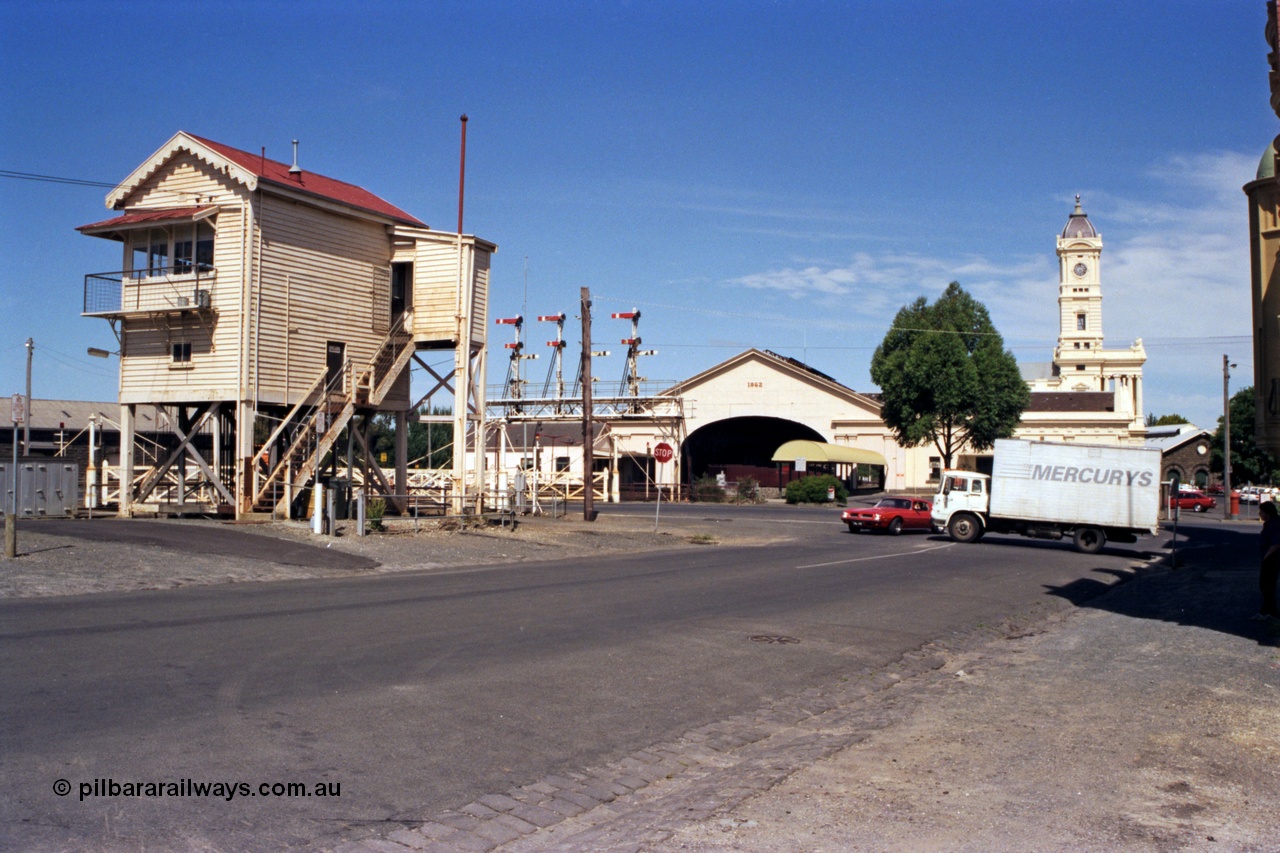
(148, 373)
(317, 274)
(479, 263)
(435, 286)
(185, 179)
(435, 276)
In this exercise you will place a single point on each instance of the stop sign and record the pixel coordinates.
(663, 452)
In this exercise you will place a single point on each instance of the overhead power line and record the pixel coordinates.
(53, 179)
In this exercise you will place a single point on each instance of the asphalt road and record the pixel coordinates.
(418, 692)
(203, 539)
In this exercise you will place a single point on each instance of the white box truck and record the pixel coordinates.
(1045, 490)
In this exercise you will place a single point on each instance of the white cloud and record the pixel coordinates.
(878, 285)
(1175, 272)
(1186, 274)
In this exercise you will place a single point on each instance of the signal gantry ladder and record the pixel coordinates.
(325, 410)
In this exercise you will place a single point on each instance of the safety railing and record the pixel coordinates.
(186, 287)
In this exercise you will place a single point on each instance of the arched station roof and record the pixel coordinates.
(819, 451)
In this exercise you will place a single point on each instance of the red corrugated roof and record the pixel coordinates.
(315, 184)
(147, 216)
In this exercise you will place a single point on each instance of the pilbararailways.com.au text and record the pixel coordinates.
(191, 788)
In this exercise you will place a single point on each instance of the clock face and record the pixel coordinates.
(1080, 270)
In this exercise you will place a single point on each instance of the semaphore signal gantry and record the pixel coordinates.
(516, 403)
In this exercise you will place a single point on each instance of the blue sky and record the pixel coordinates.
(768, 174)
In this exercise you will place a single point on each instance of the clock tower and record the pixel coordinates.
(1080, 364)
(1079, 288)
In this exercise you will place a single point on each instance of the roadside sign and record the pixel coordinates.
(19, 409)
(800, 466)
(663, 452)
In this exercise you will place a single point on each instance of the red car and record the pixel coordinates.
(892, 514)
(1197, 501)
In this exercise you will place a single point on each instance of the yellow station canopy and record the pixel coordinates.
(819, 451)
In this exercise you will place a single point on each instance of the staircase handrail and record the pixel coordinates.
(391, 351)
(282, 464)
(302, 401)
(385, 356)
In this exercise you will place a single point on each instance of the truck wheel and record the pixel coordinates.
(895, 527)
(964, 528)
(1089, 540)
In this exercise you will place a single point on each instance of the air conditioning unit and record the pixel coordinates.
(202, 299)
(183, 301)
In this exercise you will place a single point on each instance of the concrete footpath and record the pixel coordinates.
(1144, 718)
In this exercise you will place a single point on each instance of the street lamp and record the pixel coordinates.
(1227, 513)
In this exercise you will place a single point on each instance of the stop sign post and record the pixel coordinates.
(663, 453)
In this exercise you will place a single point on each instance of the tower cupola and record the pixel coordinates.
(1078, 224)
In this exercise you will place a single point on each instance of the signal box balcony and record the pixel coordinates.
(142, 293)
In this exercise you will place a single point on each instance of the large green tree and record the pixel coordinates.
(1165, 420)
(946, 378)
(1249, 463)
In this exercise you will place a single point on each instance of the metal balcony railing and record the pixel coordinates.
(185, 287)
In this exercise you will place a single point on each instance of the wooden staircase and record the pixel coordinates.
(336, 401)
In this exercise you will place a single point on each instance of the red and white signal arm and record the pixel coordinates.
(663, 452)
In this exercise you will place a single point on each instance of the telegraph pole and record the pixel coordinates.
(588, 450)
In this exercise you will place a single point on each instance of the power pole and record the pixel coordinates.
(588, 450)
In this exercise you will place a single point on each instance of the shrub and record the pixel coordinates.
(813, 490)
(706, 489)
(748, 490)
(374, 512)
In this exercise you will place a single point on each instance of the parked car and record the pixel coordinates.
(890, 514)
(1214, 489)
(1197, 501)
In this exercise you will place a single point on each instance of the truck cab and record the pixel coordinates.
(962, 502)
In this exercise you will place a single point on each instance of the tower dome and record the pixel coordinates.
(1267, 165)
(1078, 224)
